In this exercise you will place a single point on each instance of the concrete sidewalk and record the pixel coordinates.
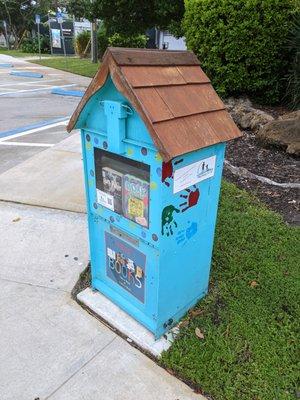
(50, 347)
(52, 178)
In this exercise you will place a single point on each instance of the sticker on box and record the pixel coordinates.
(191, 174)
(105, 199)
(125, 266)
(112, 185)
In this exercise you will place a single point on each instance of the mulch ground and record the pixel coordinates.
(271, 163)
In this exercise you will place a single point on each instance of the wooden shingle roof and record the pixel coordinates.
(171, 93)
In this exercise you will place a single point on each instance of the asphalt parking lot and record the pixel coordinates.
(33, 119)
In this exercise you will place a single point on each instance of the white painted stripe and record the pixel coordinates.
(10, 89)
(28, 83)
(36, 66)
(36, 90)
(45, 83)
(16, 90)
(42, 128)
(27, 144)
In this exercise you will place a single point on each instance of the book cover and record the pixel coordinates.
(136, 199)
(112, 189)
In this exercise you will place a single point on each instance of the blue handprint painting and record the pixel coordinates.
(184, 235)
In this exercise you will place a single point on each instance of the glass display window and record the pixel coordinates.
(122, 185)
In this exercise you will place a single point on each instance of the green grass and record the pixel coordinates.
(75, 65)
(250, 344)
(70, 64)
(19, 53)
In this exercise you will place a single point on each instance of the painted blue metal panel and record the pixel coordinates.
(187, 239)
(155, 272)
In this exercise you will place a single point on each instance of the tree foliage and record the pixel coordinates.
(80, 9)
(19, 14)
(131, 17)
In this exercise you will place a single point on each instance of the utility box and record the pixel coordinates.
(153, 139)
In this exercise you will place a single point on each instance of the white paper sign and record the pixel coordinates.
(105, 199)
(191, 174)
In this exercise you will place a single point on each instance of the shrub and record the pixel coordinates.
(31, 45)
(293, 76)
(45, 44)
(240, 44)
(81, 41)
(118, 40)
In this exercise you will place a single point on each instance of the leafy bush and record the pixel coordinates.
(81, 41)
(118, 40)
(293, 77)
(240, 44)
(31, 45)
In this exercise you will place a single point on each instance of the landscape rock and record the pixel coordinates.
(245, 115)
(241, 102)
(255, 119)
(283, 133)
(291, 115)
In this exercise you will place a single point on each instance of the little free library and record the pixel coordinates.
(153, 135)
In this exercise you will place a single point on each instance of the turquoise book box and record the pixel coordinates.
(153, 140)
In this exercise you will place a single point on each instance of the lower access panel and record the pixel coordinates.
(125, 269)
(125, 266)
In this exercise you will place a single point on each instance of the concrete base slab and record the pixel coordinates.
(124, 323)
(52, 178)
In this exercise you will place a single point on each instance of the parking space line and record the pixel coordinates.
(35, 90)
(10, 89)
(42, 84)
(35, 66)
(28, 83)
(26, 130)
(26, 144)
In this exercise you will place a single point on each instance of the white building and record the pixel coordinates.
(169, 42)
